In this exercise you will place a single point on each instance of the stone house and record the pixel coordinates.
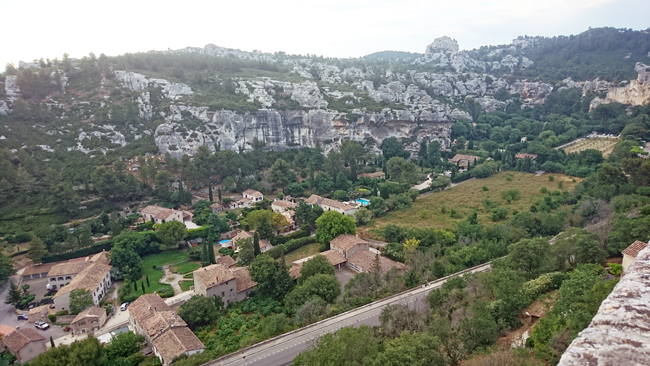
(24, 344)
(332, 256)
(332, 205)
(630, 253)
(161, 215)
(63, 273)
(253, 195)
(38, 313)
(88, 321)
(95, 278)
(375, 175)
(462, 160)
(364, 261)
(37, 271)
(281, 206)
(348, 245)
(230, 284)
(163, 330)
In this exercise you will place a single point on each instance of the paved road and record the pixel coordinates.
(283, 349)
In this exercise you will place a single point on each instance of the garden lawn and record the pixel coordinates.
(185, 285)
(302, 252)
(160, 259)
(185, 267)
(467, 197)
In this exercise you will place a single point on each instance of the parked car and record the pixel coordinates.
(41, 325)
(23, 317)
(124, 306)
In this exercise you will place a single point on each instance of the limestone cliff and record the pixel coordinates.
(636, 93)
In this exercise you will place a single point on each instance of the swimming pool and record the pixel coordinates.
(363, 201)
(224, 243)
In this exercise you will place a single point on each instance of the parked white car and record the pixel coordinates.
(41, 325)
(124, 306)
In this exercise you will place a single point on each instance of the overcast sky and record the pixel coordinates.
(337, 28)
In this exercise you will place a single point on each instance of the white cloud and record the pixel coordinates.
(339, 28)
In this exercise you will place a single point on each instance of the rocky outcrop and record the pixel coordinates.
(285, 129)
(11, 88)
(636, 93)
(531, 93)
(619, 334)
(139, 82)
(214, 50)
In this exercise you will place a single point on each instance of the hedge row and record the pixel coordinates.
(201, 232)
(289, 246)
(283, 239)
(104, 245)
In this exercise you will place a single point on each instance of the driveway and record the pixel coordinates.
(344, 276)
(9, 317)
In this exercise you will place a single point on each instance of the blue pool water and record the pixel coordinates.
(221, 243)
(363, 201)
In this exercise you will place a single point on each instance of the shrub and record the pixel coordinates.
(52, 318)
(543, 190)
(510, 195)
(551, 178)
(201, 232)
(106, 245)
(509, 178)
(484, 189)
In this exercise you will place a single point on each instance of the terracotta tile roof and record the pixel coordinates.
(289, 216)
(89, 279)
(213, 275)
(336, 204)
(283, 204)
(92, 312)
(161, 213)
(462, 157)
(294, 271)
(19, 338)
(634, 248)
(70, 268)
(525, 155)
(226, 260)
(242, 235)
(365, 259)
(253, 193)
(39, 268)
(347, 242)
(146, 306)
(175, 342)
(100, 257)
(244, 281)
(5, 329)
(160, 322)
(216, 205)
(265, 243)
(313, 199)
(373, 175)
(335, 258)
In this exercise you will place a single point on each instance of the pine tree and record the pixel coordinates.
(142, 285)
(210, 192)
(148, 285)
(265, 229)
(15, 294)
(256, 244)
(36, 250)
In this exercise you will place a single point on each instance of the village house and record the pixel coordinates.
(281, 206)
(37, 271)
(253, 195)
(88, 321)
(290, 216)
(231, 284)
(63, 273)
(630, 253)
(227, 261)
(365, 260)
(348, 245)
(331, 205)
(332, 256)
(96, 279)
(38, 313)
(462, 160)
(161, 215)
(24, 344)
(216, 207)
(525, 155)
(164, 331)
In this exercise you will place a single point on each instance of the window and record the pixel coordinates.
(53, 279)
(223, 294)
(53, 287)
(68, 277)
(230, 290)
(60, 278)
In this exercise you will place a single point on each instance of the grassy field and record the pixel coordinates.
(435, 210)
(185, 267)
(605, 145)
(159, 259)
(302, 252)
(185, 285)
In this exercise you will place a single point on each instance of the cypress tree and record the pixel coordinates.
(135, 286)
(181, 194)
(52, 342)
(210, 192)
(219, 193)
(148, 285)
(256, 244)
(142, 285)
(205, 260)
(212, 258)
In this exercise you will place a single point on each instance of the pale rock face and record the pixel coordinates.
(139, 82)
(443, 44)
(489, 104)
(308, 95)
(636, 93)
(4, 109)
(596, 85)
(214, 50)
(171, 137)
(259, 93)
(532, 93)
(29, 65)
(11, 88)
(145, 109)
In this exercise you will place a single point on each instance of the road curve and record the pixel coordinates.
(282, 349)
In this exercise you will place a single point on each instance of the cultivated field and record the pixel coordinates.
(604, 144)
(442, 210)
